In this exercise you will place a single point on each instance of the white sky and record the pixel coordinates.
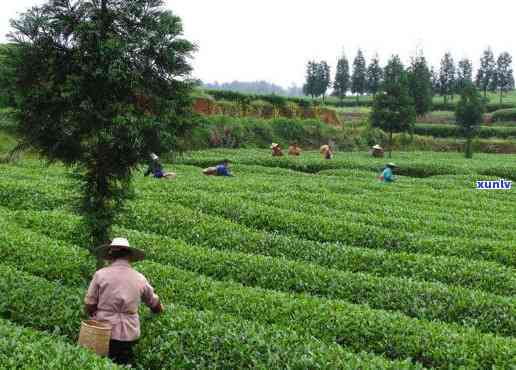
(273, 39)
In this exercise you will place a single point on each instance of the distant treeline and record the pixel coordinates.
(255, 87)
(495, 74)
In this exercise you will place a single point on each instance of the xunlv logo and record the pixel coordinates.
(491, 185)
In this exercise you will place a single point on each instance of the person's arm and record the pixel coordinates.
(151, 299)
(92, 297)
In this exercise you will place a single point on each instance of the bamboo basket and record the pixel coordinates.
(95, 335)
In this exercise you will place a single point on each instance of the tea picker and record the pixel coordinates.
(220, 170)
(377, 151)
(294, 150)
(114, 296)
(326, 152)
(276, 150)
(156, 169)
(388, 173)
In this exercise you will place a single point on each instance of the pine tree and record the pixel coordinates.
(393, 70)
(420, 85)
(374, 75)
(486, 72)
(341, 84)
(504, 77)
(310, 86)
(323, 78)
(464, 74)
(359, 78)
(447, 77)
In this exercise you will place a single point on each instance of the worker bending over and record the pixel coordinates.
(326, 152)
(114, 295)
(377, 151)
(156, 169)
(220, 170)
(276, 150)
(388, 173)
(294, 149)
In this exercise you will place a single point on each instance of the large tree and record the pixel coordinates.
(420, 84)
(468, 113)
(101, 84)
(464, 74)
(486, 71)
(504, 77)
(359, 77)
(341, 83)
(393, 108)
(374, 75)
(447, 77)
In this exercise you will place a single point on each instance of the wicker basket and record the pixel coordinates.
(95, 335)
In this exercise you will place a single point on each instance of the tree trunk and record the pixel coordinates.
(390, 144)
(468, 149)
(501, 93)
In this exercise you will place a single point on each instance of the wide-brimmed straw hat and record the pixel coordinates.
(274, 145)
(391, 165)
(377, 147)
(154, 157)
(119, 244)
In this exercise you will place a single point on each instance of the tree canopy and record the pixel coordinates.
(359, 77)
(447, 76)
(486, 72)
(374, 75)
(469, 113)
(464, 74)
(420, 84)
(503, 78)
(393, 108)
(341, 83)
(100, 85)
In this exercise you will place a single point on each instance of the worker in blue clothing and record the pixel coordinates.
(221, 170)
(388, 173)
(156, 169)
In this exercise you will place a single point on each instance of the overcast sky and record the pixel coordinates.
(273, 39)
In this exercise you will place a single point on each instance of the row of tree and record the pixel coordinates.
(492, 75)
(405, 93)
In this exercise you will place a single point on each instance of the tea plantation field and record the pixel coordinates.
(296, 263)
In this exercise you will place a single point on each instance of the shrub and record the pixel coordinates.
(486, 312)
(181, 337)
(504, 115)
(199, 229)
(23, 348)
